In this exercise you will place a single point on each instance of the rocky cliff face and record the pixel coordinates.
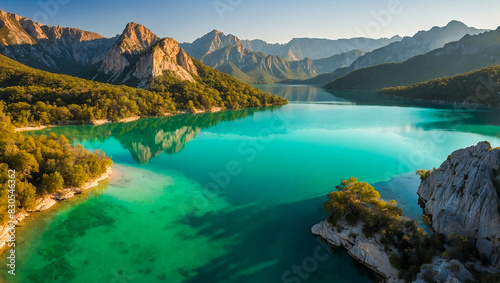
(166, 55)
(462, 196)
(139, 55)
(11, 32)
(56, 49)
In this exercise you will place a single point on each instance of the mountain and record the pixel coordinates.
(133, 57)
(136, 58)
(316, 48)
(209, 43)
(35, 97)
(139, 55)
(456, 89)
(470, 53)
(420, 43)
(228, 54)
(55, 49)
(330, 64)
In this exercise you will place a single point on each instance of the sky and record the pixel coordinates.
(270, 20)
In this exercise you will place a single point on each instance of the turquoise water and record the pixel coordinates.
(231, 196)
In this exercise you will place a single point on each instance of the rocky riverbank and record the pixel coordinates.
(50, 200)
(461, 196)
(368, 251)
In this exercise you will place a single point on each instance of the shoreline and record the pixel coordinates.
(49, 201)
(369, 252)
(123, 120)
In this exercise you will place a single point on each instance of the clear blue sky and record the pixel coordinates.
(270, 20)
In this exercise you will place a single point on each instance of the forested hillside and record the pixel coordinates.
(39, 97)
(478, 87)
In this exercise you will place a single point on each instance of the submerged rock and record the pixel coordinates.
(462, 197)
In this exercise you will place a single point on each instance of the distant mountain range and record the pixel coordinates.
(236, 57)
(470, 53)
(421, 43)
(137, 56)
(317, 48)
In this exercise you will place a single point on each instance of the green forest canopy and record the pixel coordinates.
(478, 87)
(38, 97)
(43, 165)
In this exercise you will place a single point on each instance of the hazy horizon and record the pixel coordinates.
(274, 21)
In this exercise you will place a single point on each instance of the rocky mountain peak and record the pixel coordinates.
(136, 38)
(210, 42)
(462, 196)
(11, 32)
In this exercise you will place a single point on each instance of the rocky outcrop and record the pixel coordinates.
(166, 55)
(140, 55)
(443, 270)
(52, 48)
(462, 197)
(368, 251)
(50, 200)
(11, 32)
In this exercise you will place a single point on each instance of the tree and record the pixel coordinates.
(52, 182)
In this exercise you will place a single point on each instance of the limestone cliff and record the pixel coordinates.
(139, 55)
(11, 31)
(52, 48)
(462, 197)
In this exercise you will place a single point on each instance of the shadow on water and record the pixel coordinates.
(147, 138)
(264, 246)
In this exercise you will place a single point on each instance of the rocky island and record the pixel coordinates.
(461, 198)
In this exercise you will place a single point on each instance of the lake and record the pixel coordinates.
(231, 196)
